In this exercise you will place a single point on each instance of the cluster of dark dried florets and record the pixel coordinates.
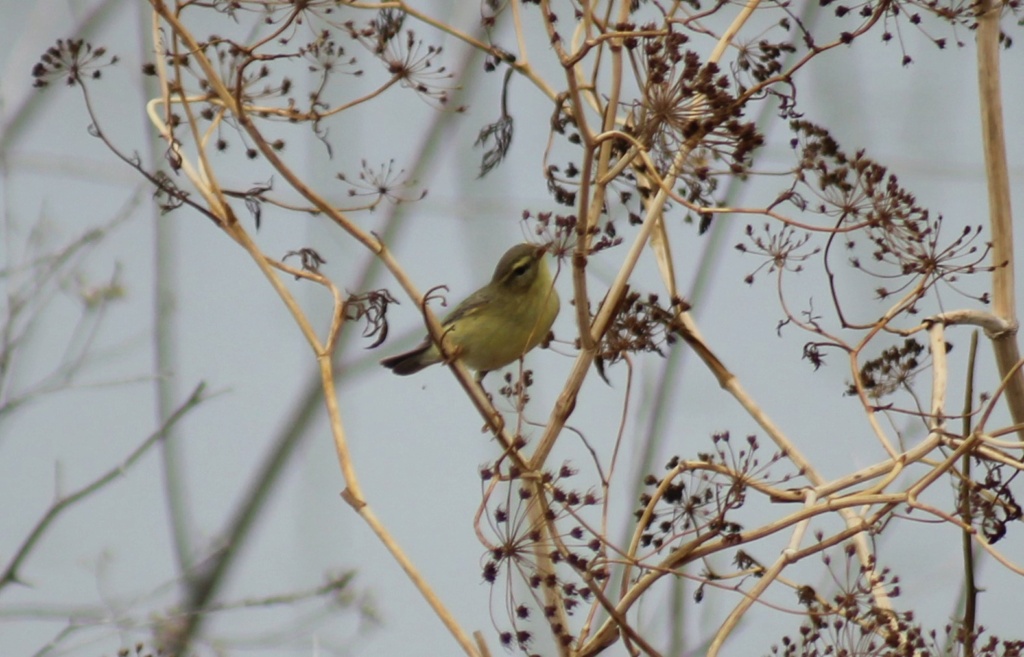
(526, 553)
(893, 370)
(561, 232)
(74, 60)
(687, 114)
(761, 60)
(640, 325)
(251, 71)
(780, 247)
(850, 622)
(386, 182)
(863, 198)
(915, 13)
(694, 501)
(408, 59)
(832, 634)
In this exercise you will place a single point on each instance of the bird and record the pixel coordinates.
(498, 323)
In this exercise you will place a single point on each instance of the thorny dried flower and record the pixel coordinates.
(991, 504)
(74, 60)
(381, 183)
(501, 131)
(311, 260)
(372, 307)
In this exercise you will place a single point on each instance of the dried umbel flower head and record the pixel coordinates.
(410, 62)
(526, 560)
(386, 182)
(74, 60)
(640, 325)
(688, 105)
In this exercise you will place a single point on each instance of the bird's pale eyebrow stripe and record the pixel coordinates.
(521, 265)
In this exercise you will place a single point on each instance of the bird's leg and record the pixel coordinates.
(479, 378)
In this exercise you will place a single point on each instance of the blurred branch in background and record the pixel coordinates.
(37, 272)
(65, 501)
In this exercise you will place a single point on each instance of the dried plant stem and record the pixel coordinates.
(852, 518)
(203, 180)
(617, 149)
(541, 518)
(990, 96)
(940, 377)
(353, 495)
(970, 586)
(353, 492)
(770, 575)
(651, 225)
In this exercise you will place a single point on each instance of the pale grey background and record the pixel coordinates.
(415, 441)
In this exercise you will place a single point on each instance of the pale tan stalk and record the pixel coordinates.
(990, 96)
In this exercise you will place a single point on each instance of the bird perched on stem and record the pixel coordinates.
(498, 323)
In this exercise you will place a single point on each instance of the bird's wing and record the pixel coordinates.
(469, 307)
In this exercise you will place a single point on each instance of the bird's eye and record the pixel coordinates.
(520, 269)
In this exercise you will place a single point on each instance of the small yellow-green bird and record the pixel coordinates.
(498, 323)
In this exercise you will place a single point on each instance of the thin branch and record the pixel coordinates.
(10, 572)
